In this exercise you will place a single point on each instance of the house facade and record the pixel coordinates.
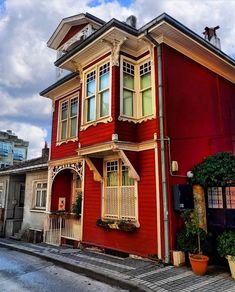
(139, 108)
(24, 192)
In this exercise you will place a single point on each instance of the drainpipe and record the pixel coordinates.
(163, 148)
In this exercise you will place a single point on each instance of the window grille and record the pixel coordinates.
(119, 192)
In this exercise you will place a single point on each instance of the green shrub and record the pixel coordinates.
(216, 170)
(226, 244)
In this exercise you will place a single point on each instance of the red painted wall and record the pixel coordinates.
(61, 187)
(200, 110)
(199, 115)
(73, 30)
(142, 242)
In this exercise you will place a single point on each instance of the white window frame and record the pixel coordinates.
(119, 217)
(68, 137)
(137, 99)
(35, 189)
(98, 118)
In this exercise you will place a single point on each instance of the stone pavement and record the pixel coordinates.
(128, 273)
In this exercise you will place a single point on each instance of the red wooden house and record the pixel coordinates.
(137, 104)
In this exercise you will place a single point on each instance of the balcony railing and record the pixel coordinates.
(58, 226)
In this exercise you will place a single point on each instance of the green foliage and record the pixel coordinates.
(226, 244)
(216, 170)
(104, 224)
(192, 238)
(77, 206)
(127, 226)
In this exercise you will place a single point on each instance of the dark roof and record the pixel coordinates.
(31, 164)
(122, 25)
(59, 82)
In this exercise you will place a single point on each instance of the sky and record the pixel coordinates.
(27, 64)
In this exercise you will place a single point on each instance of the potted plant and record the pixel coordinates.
(197, 236)
(226, 248)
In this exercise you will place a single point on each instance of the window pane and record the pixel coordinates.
(104, 103)
(64, 110)
(147, 102)
(43, 201)
(215, 197)
(63, 129)
(145, 81)
(128, 81)
(74, 107)
(126, 180)
(90, 88)
(104, 81)
(230, 197)
(127, 102)
(38, 195)
(91, 109)
(73, 128)
(112, 173)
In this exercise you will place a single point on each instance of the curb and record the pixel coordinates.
(94, 273)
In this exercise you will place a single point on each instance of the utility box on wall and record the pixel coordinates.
(182, 197)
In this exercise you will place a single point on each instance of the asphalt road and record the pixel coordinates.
(22, 273)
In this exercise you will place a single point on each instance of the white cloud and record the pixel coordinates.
(35, 135)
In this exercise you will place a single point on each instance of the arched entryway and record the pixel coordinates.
(62, 224)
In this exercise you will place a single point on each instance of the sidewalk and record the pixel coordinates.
(127, 273)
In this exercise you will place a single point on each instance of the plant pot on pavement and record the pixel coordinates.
(199, 264)
(178, 258)
(231, 262)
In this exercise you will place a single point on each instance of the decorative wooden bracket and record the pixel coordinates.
(96, 174)
(132, 173)
(115, 49)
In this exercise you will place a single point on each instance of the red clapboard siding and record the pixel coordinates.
(142, 242)
(200, 110)
(73, 30)
(61, 188)
(97, 134)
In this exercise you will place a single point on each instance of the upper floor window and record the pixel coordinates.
(97, 93)
(68, 118)
(137, 97)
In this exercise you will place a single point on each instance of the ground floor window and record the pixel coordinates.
(221, 197)
(40, 195)
(120, 192)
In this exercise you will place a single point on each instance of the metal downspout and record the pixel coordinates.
(163, 148)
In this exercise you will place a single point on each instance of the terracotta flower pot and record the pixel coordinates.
(199, 264)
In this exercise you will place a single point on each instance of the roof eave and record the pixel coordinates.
(60, 82)
(112, 23)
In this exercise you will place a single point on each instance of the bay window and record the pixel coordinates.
(137, 95)
(68, 118)
(97, 93)
(120, 192)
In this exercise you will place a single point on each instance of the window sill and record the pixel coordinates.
(122, 225)
(38, 210)
(135, 120)
(58, 143)
(104, 120)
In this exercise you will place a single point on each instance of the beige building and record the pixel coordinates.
(23, 192)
